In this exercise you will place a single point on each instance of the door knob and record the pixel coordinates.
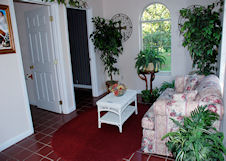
(29, 76)
(32, 67)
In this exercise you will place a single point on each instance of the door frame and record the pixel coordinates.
(92, 54)
(58, 50)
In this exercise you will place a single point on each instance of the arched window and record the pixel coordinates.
(156, 31)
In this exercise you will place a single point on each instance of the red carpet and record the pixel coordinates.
(81, 140)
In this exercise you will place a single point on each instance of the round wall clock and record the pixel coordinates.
(125, 25)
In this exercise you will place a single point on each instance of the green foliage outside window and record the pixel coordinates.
(156, 31)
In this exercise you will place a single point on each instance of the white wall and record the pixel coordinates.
(223, 71)
(181, 61)
(15, 117)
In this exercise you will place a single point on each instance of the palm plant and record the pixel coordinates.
(166, 85)
(197, 139)
(149, 55)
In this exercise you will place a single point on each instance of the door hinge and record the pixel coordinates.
(60, 102)
(51, 18)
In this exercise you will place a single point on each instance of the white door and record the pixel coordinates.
(44, 62)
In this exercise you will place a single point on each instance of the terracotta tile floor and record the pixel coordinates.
(37, 147)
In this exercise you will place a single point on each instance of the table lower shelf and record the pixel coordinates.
(113, 118)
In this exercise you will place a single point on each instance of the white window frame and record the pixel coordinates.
(164, 73)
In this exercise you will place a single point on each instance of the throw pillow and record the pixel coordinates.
(192, 81)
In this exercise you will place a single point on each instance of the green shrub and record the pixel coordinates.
(149, 97)
(197, 139)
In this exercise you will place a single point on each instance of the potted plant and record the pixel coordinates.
(107, 39)
(149, 60)
(148, 97)
(201, 28)
(197, 139)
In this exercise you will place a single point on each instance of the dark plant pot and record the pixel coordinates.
(109, 84)
(149, 100)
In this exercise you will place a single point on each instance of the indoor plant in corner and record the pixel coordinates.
(107, 39)
(197, 139)
(201, 28)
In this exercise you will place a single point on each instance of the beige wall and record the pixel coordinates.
(15, 117)
(181, 62)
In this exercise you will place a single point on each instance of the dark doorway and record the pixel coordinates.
(78, 38)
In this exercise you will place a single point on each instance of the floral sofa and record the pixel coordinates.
(190, 91)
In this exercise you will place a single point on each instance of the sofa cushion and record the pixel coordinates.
(192, 82)
(191, 95)
(188, 95)
(208, 86)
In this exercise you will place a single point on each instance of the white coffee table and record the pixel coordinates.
(118, 108)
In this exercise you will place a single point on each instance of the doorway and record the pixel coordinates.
(39, 55)
(79, 49)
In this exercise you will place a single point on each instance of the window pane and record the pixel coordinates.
(157, 33)
(167, 54)
(155, 12)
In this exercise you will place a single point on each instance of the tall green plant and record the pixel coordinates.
(197, 139)
(201, 28)
(107, 39)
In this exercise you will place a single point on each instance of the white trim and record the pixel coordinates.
(65, 107)
(35, 2)
(222, 64)
(59, 56)
(82, 86)
(92, 54)
(15, 139)
(68, 6)
(151, 21)
(163, 73)
(55, 39)
(58, 50)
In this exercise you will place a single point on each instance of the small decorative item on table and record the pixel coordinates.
(118, 89)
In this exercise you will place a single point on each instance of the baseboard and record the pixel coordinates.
(15, 140)
(69, 110)
(83, 86)
(100, 93)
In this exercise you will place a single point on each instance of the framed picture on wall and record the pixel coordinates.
(6, 33)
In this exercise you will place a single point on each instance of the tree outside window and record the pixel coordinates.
(156, 31)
